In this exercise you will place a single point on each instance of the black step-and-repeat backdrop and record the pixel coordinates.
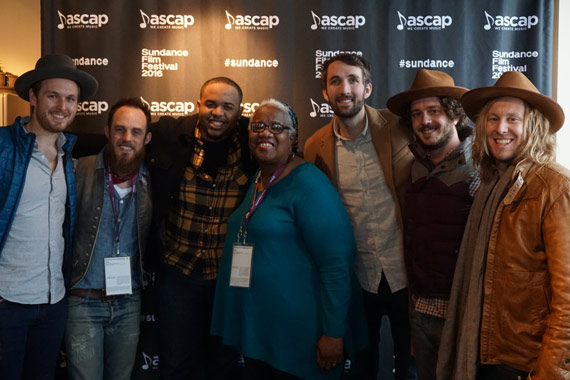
(164, 50)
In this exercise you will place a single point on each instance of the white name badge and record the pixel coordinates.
(118, 276)
(241, 265)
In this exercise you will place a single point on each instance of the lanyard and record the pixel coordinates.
(256, 201)
(111, 190)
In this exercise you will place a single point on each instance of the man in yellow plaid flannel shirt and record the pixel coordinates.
(200, 167)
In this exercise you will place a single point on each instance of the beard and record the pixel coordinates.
(122, 166)
(347, 114)
(441, 142)
(47, 125)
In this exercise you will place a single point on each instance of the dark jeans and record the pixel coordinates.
(426, 338)
(395, 305)
(500, 372)
(186, 348)
(30, 339)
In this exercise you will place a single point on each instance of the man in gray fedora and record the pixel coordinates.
(37, 207)
(509, 311)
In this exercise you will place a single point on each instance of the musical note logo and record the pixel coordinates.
(403, 22)
(316, 20)
(147, 361)
(231, 20)
(61, 25)
(315, 107)
(63, 359)
(148, 277)
(490, 21)
(148, 105)
(145, 19)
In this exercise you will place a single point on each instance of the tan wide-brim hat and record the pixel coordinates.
(56, 66)
(427, 83)
(514, 84)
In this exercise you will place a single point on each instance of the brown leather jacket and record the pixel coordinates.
(526, 308)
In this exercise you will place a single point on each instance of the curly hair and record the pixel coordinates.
(539, 146)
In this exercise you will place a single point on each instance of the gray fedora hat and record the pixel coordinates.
(56, 66)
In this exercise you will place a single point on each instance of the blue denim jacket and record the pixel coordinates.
(91, 189)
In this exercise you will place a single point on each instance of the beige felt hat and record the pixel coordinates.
(514, 84)
(427, 83)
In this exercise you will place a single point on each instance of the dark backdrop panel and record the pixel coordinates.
(164, 50)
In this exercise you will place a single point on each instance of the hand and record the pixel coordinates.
(329, 352)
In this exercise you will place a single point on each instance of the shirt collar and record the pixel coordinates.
(59, 142)
(337, 133)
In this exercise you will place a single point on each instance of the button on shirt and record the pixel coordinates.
(32, 258)
(372, 211)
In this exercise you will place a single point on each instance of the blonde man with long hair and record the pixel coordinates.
(509, 312)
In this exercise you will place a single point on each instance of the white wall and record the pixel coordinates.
(20, 29)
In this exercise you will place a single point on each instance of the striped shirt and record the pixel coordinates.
(196, 227)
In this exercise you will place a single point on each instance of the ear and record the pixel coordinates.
(294, 138)
(107, 131)
(32, 97)
(325, 95)
(367, 90)
(147, 138)
(198, 103)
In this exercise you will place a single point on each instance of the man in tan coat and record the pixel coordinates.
(364, 151)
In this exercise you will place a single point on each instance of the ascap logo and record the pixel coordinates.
(510, 22)
(249, 109)
(166, 21)
(249, 22)
(91, 108)
(429, 22)
(76, 21)
(320, 110)
(150, 362)
(337, 22)
(169, 108)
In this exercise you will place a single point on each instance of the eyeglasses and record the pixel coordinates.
(274, 128)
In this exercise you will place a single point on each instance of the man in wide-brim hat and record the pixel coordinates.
(438, 198)
(37, 207)
(509, 313)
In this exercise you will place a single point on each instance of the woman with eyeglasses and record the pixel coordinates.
(284, 286)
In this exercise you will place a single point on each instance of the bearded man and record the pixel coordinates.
(438, 199)
(113, 219)
(364, 151)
